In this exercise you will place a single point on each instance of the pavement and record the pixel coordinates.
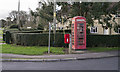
(82, 55)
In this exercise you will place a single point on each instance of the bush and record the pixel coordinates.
(87, 31)
(14, 26)
(103, 40)
(7, 37)
(116, 28)
(40, 27)
(37, 39)
(40, 39)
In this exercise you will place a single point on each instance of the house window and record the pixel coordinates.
(117, 15)
(93, 30)
(118, 30)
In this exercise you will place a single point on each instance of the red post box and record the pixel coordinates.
(66, 38)
(78, 32)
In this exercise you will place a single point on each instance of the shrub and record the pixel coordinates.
(7, 37)
(41, 39)
(38, 39)
(14, 26)
(40, 27)
(103, 40)
(35, 38)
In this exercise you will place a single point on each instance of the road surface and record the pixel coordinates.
(90, 64)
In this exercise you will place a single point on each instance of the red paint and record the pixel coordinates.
(78, 31)
(66, 38)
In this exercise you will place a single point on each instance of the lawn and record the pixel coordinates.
(30, 50)
(102, 49)
(1, 32)
(38, 50)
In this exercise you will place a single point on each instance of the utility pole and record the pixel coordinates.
(80, 8)
(63, 25)
(54, 21)
(18, 16)
(49, 38)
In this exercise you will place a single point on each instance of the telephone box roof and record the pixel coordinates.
(78, 17)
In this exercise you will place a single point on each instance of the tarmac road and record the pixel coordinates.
(89, 64)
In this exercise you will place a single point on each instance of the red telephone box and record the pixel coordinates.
(78, 32)
(66, 38)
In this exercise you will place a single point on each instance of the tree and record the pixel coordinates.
(45, 14)
(101, 11)
(104, 13)
(83, 9)
(23, 18)
(13, 14)
(70, 10)
(22, 15)
(64, 12)
(3, 22)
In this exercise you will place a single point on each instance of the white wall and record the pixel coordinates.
(106, 31)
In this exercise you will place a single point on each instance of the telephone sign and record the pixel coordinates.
(80, 20)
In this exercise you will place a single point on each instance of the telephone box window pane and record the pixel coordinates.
(80, 33)
(72, 25)
(81, 24)
(81, 29)
(73, 43)
(81, 41)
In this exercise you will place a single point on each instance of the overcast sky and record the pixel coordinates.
(6, 6)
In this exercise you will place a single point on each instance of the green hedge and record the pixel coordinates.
(41, 39)
(11, 38)
(37, 39)
(103, 40)
(31, 39)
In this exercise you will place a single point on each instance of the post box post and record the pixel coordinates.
(70, 44)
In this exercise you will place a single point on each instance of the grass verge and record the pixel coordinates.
(30, 50)
(37, 50)
(1, 32)
(102, 49)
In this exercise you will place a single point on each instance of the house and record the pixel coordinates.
(103, 29)
(96, 29)
(66, 25)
